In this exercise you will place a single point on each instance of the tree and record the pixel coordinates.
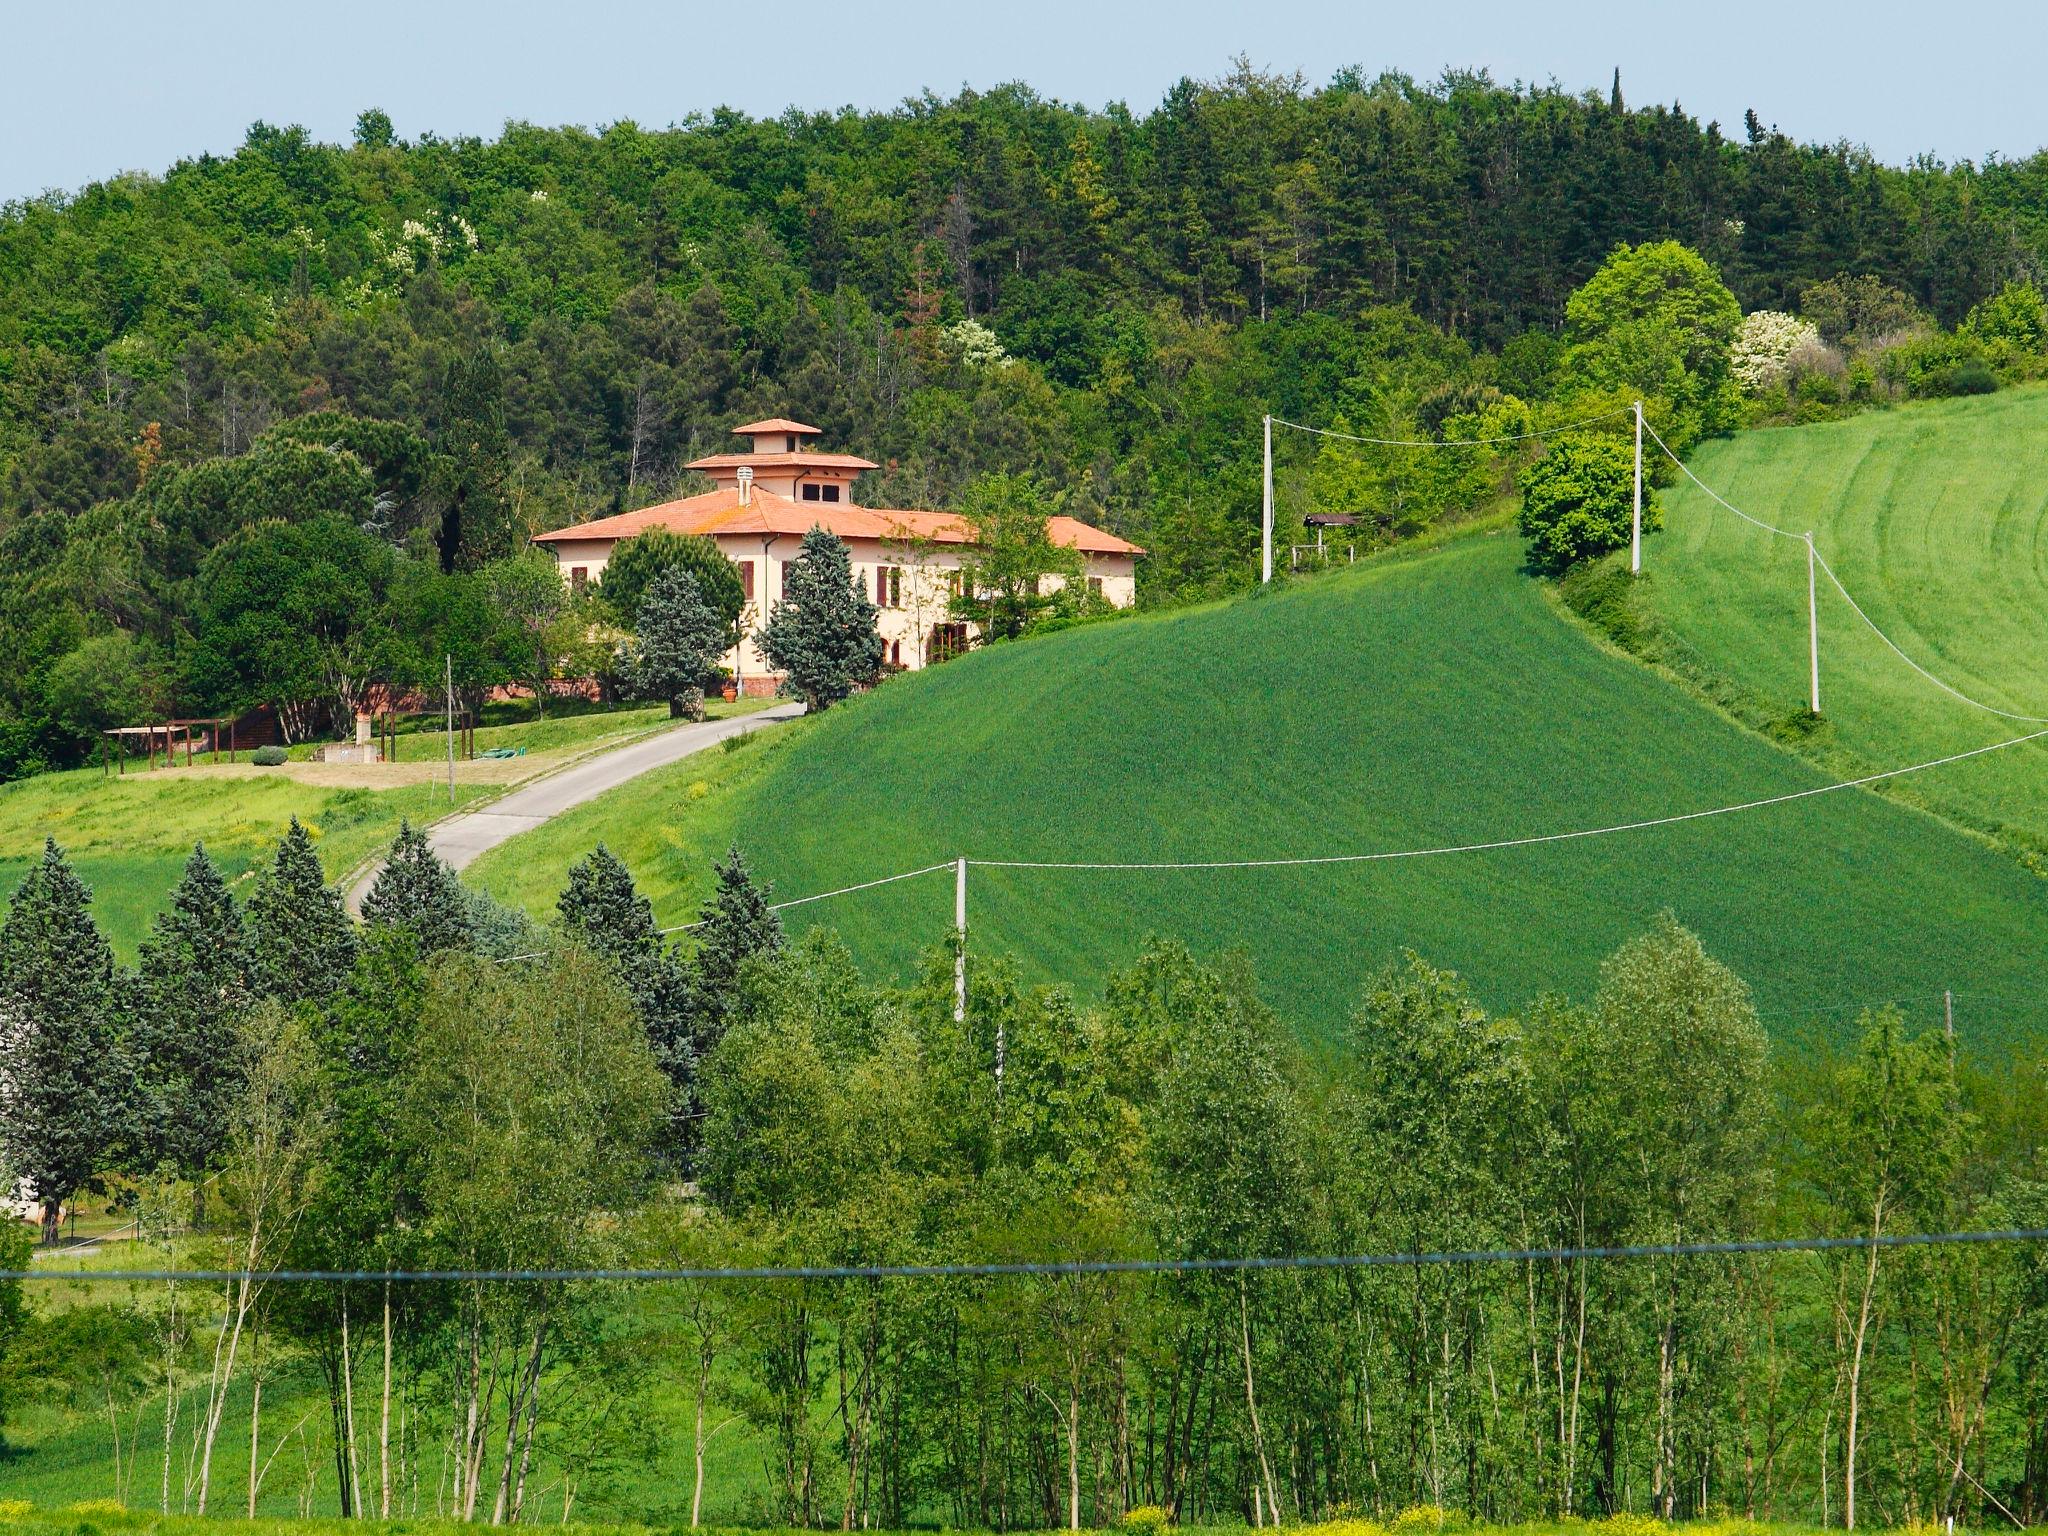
(1656, 320)
(2013, 320)
(1578, 501)
(450, 629)
(415, 890)
(635, 563)
(734, 926)
(470, 450)
(821, 634)
(292, 615)
(1884, 1143)
(527, 591)
(61, 1077)
(1003, 577)
(680, 640)
(301, 943)
(608, 916)
(195, 988)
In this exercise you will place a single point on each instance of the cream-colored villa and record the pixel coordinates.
(766, 500)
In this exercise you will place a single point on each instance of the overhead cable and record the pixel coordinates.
(1454, 442)
(1410, 1260)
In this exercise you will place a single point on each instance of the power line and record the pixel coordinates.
(1516, 842)
(1048, 1267)
(1847, 597)
(1455, 442)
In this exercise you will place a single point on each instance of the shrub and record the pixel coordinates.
(1627, 1523)
(1762, 352)
(268, 757)
(1421, 1519)
(2015, 319)
(1145, 1518)
(1576, 501)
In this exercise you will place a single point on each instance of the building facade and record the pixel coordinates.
(764, 502)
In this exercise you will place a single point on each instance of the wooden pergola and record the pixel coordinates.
(171, 733)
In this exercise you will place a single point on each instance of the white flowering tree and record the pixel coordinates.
(1761, 355)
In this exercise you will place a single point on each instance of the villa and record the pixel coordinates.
(764, 502)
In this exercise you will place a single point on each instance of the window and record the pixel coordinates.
(812, 491)
(1095, 586)
(888, 586)
(895, 653)
(579, 578)
(831, 493)
(747, 579)
(895, 586)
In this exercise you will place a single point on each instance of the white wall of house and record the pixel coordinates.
(911, 597)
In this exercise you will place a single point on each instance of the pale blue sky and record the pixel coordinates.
(90, 89)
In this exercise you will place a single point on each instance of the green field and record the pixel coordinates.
(1421, 701)
(129, 834)
(1936, 518)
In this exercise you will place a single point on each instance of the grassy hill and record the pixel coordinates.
(1433, 699)
(1936, 518)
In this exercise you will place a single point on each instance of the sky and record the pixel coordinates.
(87, 91)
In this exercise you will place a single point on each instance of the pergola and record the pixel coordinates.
(1321, 521)
(171, 733)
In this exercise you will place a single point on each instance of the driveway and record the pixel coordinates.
(463, 838)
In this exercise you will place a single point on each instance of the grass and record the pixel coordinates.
(1934, 518)
(129, 835)
(1414, 702)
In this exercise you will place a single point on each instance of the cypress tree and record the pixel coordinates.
(601, 907)
(194, 977)
(417, 891)
(734, 925)
(821, 634)
(301, 943)
(61, 1079)
(680, 637)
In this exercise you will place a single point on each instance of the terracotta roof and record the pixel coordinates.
(774, 424)
(720, 512)
(783, 461)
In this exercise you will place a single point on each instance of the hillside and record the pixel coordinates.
(1429, 700)
(1936, 518)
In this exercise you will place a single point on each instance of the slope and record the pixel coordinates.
(1426, 701)
(1935, 517)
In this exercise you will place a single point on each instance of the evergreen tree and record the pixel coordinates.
(61, 1082)
(417, 891)
(195, 987)
(822, 633)
(680, 638)
(301, 943)
(734, 925)
(601, 907)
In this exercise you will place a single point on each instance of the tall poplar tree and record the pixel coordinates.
(61, 1076)
(194, 976)
(301, 942)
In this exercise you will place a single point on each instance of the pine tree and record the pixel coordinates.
(604, 911)
(301, 943)
(417, 891)
(61, 1078)
(680, 637)
(734, 925)
(194, 977)
(821, 634)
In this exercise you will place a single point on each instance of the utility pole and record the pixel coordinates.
(1812, 625)
(960, 941)
(1635, 536)
(1266, 568)
(449, 702)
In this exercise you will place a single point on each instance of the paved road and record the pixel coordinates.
(463, 838)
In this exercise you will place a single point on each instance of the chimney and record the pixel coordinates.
(746, 479)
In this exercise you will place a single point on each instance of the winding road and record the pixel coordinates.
(464, 837)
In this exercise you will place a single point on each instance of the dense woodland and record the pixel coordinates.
(448, 1087)
(448, 345)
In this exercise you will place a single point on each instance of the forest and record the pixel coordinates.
(447, 1086)
(442, 346)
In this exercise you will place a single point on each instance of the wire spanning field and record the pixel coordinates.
(1936, 518)
(1415, 702)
